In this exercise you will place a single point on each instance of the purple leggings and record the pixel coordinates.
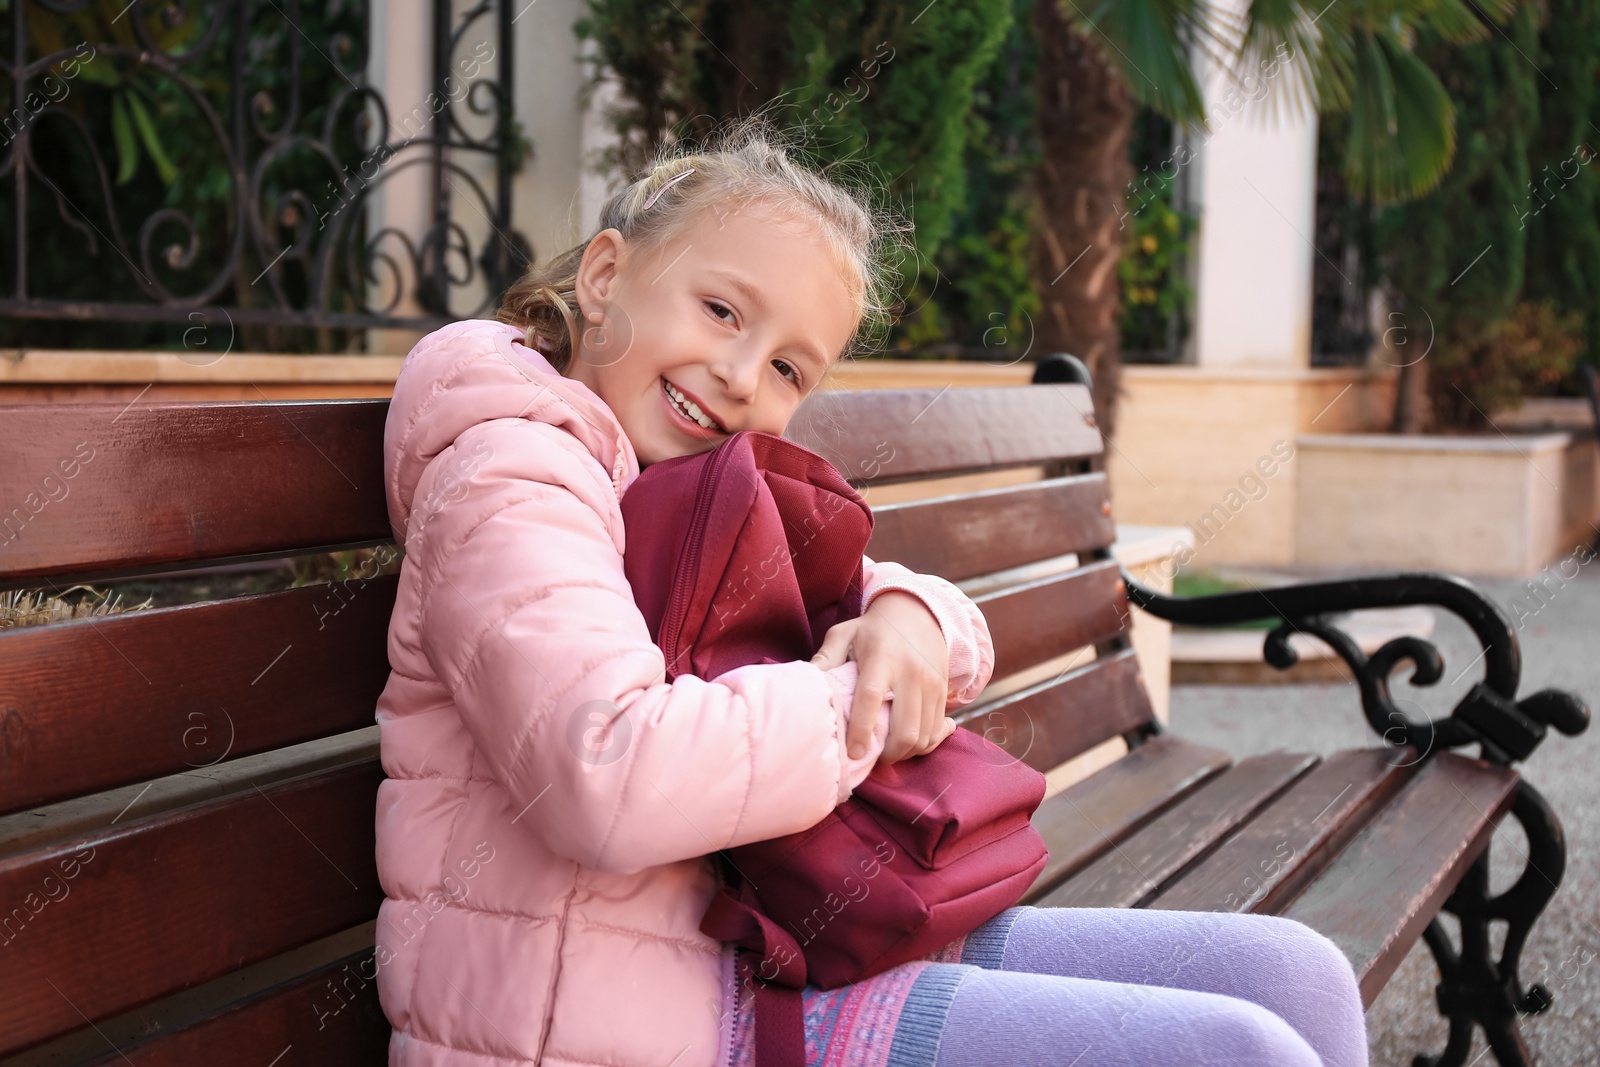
(1097, 987)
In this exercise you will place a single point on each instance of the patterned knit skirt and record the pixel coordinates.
(892, 1019)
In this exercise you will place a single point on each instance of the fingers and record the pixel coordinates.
(905, 727)
(888, 664)
(927, 711)
(933, 712)
(835, 645)
(871, 688)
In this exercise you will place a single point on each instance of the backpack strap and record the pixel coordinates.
(780, 1031)
(770, 962)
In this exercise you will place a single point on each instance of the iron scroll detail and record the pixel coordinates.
(1489, 714)
(272, 113)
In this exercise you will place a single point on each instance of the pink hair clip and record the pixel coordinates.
(665, 186)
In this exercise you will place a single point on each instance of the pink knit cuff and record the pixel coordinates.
(966, 632)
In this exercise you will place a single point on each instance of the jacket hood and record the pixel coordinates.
(478, 371)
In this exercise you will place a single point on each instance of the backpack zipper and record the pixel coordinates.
(691, 551)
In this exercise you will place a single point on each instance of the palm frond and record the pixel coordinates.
(1372, 121)
(1457, 23)
(1314, 40)
(1426, 119)
(1321, 56)
(1153, 41)
(1402, 123)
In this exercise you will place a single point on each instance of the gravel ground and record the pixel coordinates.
(1560, 647)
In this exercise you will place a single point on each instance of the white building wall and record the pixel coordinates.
(555, 199)
(1254, 187)
(399, 69)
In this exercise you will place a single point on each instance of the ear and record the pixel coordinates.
(597, 273)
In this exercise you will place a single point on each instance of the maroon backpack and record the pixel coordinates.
(749, 553)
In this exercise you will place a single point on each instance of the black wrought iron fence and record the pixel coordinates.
(177, 162)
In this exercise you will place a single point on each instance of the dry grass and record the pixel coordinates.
(37, 607)
(32, 607)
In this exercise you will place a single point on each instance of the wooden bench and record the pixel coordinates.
(187, 794)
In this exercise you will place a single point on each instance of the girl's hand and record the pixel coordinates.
(898, 646)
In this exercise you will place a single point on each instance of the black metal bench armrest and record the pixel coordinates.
(1489, 714)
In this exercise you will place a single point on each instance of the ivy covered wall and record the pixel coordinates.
(930, 97)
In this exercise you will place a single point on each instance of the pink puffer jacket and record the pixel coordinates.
(545, 877)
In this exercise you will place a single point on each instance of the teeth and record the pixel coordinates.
(688, 407)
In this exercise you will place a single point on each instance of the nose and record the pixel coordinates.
(739, 371)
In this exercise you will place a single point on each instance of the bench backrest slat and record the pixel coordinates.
(1051, 721)
(962, 536)
(1040, 619)
(889, 435)
(92, 490)
(92, 704)
(153, 906)
(331, 1015)
(896, 436)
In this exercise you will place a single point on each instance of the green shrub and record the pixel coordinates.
(1526, 354)
(911, 90)
(1154, 287)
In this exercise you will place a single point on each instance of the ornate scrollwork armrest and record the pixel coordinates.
(1489, 714)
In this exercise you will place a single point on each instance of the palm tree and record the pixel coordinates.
(1101, 59)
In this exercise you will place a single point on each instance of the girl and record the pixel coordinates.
(550, 802)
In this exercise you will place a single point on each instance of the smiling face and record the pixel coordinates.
(740, 314)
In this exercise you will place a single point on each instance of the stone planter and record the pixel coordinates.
(1494, 505)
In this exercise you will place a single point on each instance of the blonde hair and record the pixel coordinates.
(747, 160)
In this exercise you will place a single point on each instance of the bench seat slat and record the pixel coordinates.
(1144, 861)
(1050, 722)
(1374, 900)
(89, 705)
(966, 535)
(1039, 620)
(164, 903)
(159, 485)
(1284, 847)
(1084, 820)
(890, 435)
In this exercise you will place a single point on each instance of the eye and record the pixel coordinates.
(790, 366)
(716, 307)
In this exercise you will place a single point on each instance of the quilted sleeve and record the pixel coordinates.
(965, 629)
(529, 622)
